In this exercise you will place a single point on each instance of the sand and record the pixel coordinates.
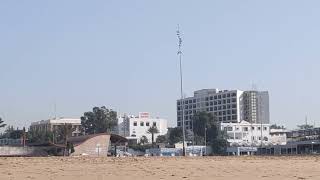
(124, 168)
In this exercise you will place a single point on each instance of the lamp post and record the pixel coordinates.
(181, 91)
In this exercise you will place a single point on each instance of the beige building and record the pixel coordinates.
(52, 124)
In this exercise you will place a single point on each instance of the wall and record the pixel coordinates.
(21, 151)
(95, 146)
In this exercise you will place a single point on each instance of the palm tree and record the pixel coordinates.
(1, 123)
(153, 130)
(64, 132)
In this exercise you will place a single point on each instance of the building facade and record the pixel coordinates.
(247, 134)
(256, 106)
(53, 124)
(134, 127)
(228, 106)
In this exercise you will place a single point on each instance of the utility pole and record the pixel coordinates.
(181, 91)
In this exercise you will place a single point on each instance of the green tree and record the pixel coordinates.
(39, 137)
(2, 123)
(162, 139)
(63, 133)
(205, 124)
(305, 126)
(153, 130)
(275, 126)
(100, 120)
(175, 135)
(143, 140)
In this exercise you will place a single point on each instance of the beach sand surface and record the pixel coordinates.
(151, 168)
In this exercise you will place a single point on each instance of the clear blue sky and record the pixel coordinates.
(122, 54)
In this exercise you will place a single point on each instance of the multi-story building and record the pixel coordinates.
(256, 106)
(134, 127)
(228, 106)
(247, 134)
(52, 124)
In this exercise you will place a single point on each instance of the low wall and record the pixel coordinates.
(21, 151)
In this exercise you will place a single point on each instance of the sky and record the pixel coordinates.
(79, 54)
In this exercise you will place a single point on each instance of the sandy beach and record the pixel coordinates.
(218, 168)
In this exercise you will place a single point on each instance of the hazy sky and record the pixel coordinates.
(123, 54)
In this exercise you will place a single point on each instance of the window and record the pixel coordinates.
(179, 123)
(228, 100)
(211, 98)
(135, 123)
(147, 124)
(252, 128)
(245, 129)
(178, 108)
(215, 97)
(228, 95)
(265, 128)
(211, 108)
(219, 97)
(259, 129)
(234, 94)
(141, 123)
(234, 100)
(229, 128)
(154, 124)
(224, 96)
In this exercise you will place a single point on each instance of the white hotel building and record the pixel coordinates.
(134, 127)
(229, 106)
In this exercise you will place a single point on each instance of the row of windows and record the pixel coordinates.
(244, 128)
(210, 98)
(215, 107)
(220, 118)
(135, 123)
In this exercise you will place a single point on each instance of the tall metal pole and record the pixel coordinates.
(181, 91)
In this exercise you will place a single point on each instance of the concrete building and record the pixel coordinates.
(229, 106)
(134, 127)
(247, 134)
(278, 136)
(52, 124)
(256, 106)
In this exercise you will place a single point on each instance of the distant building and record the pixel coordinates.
(247, 134)
(278, 136)
(53, 124)
(134, 127)
(256, 106)
(228, 106)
